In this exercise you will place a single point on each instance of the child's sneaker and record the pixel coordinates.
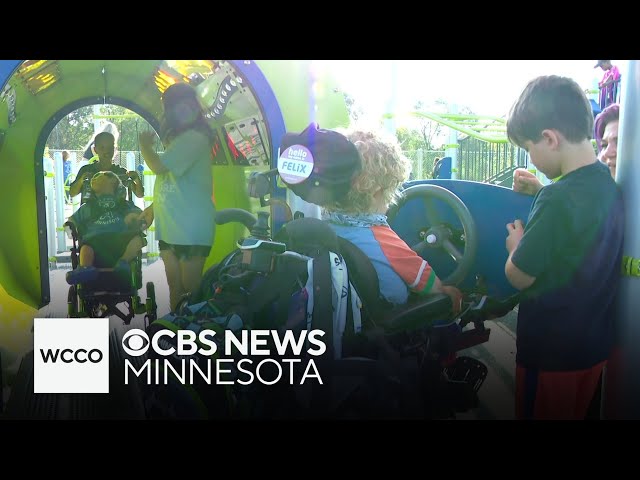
(82, 275)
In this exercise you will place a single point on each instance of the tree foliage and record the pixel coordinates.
(75, 130)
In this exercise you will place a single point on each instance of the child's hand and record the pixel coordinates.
(526, 182)
(131, 218)
(147, 138)
(146, 218)
(455, 295)
(516, 231)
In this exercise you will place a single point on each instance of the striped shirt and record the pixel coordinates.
(400, 269)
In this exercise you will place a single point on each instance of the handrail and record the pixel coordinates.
(449, 120)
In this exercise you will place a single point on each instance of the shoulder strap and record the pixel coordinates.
(323, 320)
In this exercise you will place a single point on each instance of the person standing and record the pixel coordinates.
(183, 208)
(606, 134)
(104, 147)
(609, 83)
(566, 260)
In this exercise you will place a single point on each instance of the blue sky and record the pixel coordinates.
(488, 87)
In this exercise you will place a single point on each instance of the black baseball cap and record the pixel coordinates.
(600, 63)
(335, 161)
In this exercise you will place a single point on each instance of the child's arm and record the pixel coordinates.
(411, 267)
(132, 217)
(517, 278)
(151, 158)
(526, 182)
(531, 251)
(180, 155)
(136, 184)
(146, 217)
(80, 216)
(76, 187)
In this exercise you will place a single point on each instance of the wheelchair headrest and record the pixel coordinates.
(318, 165)
(308, 236)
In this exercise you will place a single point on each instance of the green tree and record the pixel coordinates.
(409, 139)
(425, 134)
(75, 130)
(429, 130)
(129, 125)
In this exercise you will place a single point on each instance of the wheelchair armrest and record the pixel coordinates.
(418, 312)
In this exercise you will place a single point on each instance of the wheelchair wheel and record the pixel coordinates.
(137, 272)
(151, 306)
(72, 302)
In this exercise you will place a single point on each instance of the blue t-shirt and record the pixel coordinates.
(182, 197)
(572, 244)
(104, 214)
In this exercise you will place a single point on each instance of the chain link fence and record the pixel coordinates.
(422, 162)
(478, 161)
(120, 158)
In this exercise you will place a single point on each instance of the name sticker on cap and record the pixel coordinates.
(295, 164)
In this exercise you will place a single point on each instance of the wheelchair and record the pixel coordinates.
(402, 363)
(101, 296)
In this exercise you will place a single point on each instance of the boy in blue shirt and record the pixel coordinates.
(109, 228)
(567, 259)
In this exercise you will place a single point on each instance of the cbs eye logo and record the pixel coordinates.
(133, 342)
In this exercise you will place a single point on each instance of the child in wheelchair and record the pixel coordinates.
(355, 181)
(397, 360)
(108, 231)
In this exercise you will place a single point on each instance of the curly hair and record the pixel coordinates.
(384, 168)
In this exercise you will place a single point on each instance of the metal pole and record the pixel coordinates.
(131, 167)
(75, 201)
(51, 212)
(452, 147)
(58, 182)
(628, 176)
(149, 180)
(97, 122)
(419, 162)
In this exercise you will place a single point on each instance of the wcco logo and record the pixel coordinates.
(71, 355)
(67, 355)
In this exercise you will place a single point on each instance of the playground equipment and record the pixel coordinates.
(251, 105)
(478, 147)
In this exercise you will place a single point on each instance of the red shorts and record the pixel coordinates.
(542, 395)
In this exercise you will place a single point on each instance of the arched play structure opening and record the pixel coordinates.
(250, 104)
